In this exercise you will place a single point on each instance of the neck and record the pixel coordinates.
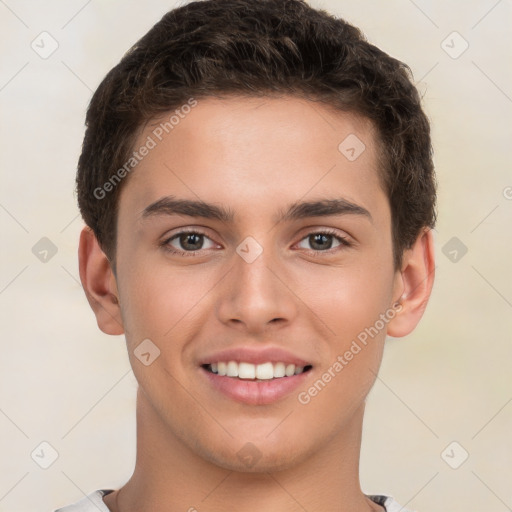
(170, 477)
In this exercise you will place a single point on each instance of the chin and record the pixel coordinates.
(252, 458)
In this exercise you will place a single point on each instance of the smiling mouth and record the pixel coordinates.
(255, 372)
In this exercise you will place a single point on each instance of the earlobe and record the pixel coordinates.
(99, 283)
(414, 285)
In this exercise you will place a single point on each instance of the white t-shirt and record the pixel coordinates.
(94, 503)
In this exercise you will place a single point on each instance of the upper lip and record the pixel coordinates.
(255, 356)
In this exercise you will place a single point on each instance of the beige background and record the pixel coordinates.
(64, 382)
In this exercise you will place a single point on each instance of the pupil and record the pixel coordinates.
(184, 241)
(322, 237)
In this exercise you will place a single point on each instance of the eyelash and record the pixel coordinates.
(165, 243)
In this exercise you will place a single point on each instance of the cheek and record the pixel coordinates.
(158, 302)
(355, 306)
(351, 301)
(353, 310)
(157, 309)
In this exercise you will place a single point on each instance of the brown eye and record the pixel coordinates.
(186, 243)
(322, 241)
(191, 241)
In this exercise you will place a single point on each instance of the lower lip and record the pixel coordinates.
(255, 392)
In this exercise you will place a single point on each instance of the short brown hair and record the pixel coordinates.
(217, 48)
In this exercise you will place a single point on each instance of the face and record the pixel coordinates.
(257, 277)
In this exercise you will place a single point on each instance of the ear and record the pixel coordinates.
(99, 283)
(413, 285)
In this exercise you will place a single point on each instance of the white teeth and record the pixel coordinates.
(264, 371)
(279, 370)
(246, 371)
(232, 370)
(290, 370)
(222, 368)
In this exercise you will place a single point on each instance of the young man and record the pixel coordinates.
(258, 188)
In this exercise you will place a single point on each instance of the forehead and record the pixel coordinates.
(255, 154)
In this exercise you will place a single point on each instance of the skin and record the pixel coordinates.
(255, 156)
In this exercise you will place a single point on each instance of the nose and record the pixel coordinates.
(257, 295)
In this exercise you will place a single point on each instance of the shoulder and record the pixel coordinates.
(90, 503)
(389, 503)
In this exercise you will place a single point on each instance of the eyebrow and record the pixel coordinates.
(170, 205)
